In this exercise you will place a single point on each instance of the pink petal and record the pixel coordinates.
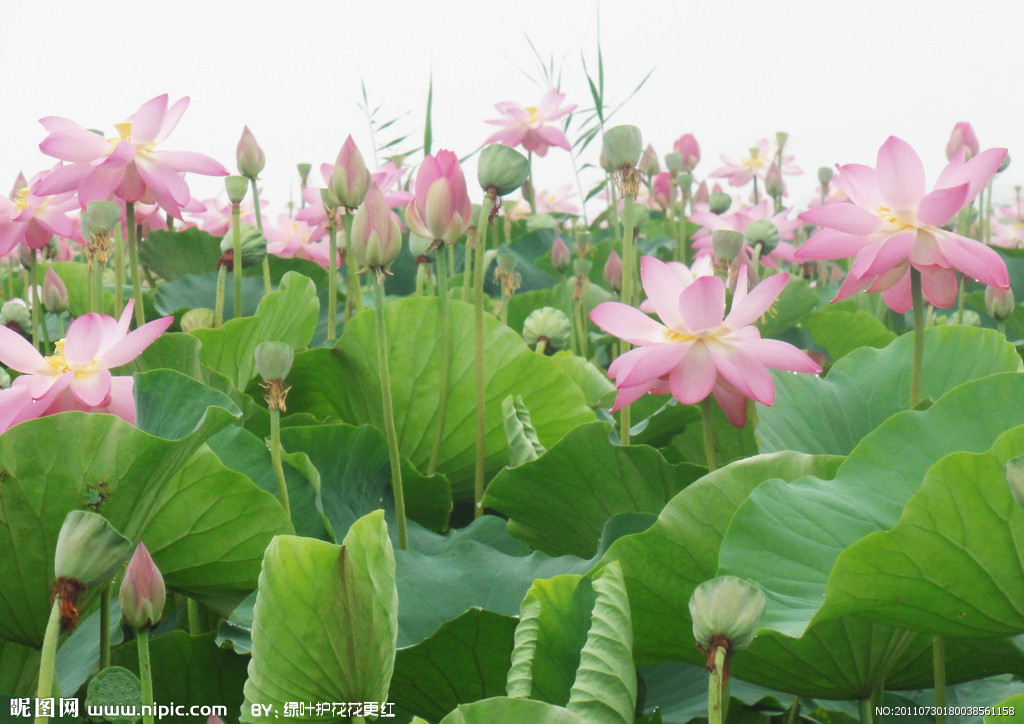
(75, 144)
(123, 154)
(976, 172)
(702, 304)
(888, 255)
(132, 346)
(723, 355)
(733, 404)
(831, 244)
(18, 353)
(941, 205)
(756, 376)
(781, 356)
(974, 259)
(900, 175)
(844, 217)
(627, 323)
(100, 185)
(662, 286)
(629, 395)
(860, 184)
(147, 120)
(753, 305)
(122, 401)
(652, 362)
(182, 161)
(940, 287)
(171, 118)
(91, 388)
(14, 402)
(853, 284)
(692, 380)
(898, 295)
(56, 123)
(83, 341)
(61, 179)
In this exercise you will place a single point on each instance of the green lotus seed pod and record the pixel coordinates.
(623, 146)
(15, 312)
(674, 162)
(719, 202)
(304, 169)
(199, 318)
(236, 187)
(547, 323)
(763, 232)
(89, 549)
(274, 360)
(5, 379)
(726, 606)
(824, 175)
(99, 219)
(726, 243)
(254, 245)
(501, 168)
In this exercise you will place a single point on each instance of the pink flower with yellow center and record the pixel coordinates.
(754, 164)
(295, 238)
(33, 220)
(527, 127)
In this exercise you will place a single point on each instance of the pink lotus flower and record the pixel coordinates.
(687, 147)
(526, 126)
(703, 266)
(739, 220)
(215, 216)
(893, 225)
(558, 201)
(388, 180)
(441, 210)
(755, 164)
(962, 137)
(33, 220)
(294, 238)
(77, 376)
(128, 166)
(699, 350)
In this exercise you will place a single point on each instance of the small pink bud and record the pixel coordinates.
(702, 196)
(664, 190)
(560, 256)
(613, 271)
(19, 184)
(376, 234)
(649, 162)
(249, 155)
(962, 137)
(350, 179)
(55, 293)
(687, 146)
(999, 302)
(773, 183)
(142, 593)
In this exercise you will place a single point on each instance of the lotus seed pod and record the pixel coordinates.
(547, 323)
(824, 176)
(142, 595)
(763, 232)
(582, 267)
(501, 168)
(726, 243)
(274, 360)
(89, 549)
(674, 162)
(719, 202)
(999, 302)
(623, 146)
(199, 318)
(5, 379)
(773, 184)
(254, 245)
(304, 169)
(1015, 479)
(236, 187)
(726, 606)
(99, 219)
(15, 312)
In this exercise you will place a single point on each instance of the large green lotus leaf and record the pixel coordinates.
(952, 564)
(288, 314)
(172, 351)
(75, 275)
(53, 465)
(867, 386)
(19, 670)
(559, 296)
(355, 477)
(169, 404)
(325, 621)
(507, 709)
(174, 254)
(596, 386)
(189, 670)
(842, 332)
(345, 383)
(200, 290)
(466, 660)
(787, 537)
(560, 502)
(796, 301)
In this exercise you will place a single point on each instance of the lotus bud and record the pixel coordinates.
(350, 179)
(763, 232)
(249, 155)
(376, 234)
(727, 244)
(236, 187)
(560, 256)
(199, 318)
(649, 162)
(99, 219)
(687, 146)
(55, 293)
(623, 146)
(142, 593)
(19, 184)
(1004, 165)
(582, 242)
(674, 163)
(501, 169)
(719, 202)
(421, 246)
(331, 204)
(254, 245)
(824, 176)
(703, 196)
(613, 272)
(664, 191)
(274, 360)
(726, 608)
(304, 169)
(1015, 479)
(962, 137)
(5, 379)
(549, 324)
(89, 549)
(999, 302)
(773, 184)
(15, 314)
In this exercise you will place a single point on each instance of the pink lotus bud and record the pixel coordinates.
(441, 210)
(613, 272)
(376, 234)
(19, 184)
(664, 191)
(702, 196)
(55, 294)
(962, 137)
(773, 183)
(999, 302)
(560, 257)
(350, 180)
(649, 162)
(249, 155)
(142, 592)
(687, 146)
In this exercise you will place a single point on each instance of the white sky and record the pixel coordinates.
(838, 76)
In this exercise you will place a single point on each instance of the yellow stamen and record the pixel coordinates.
(887, 215)
(56, 360)
(534, 118)
(21, 199)
(673, 336)
(124, 130)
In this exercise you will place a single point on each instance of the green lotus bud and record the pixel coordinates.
(274, 360)
(199, 318)
(15, 312)
(304, 169)
(623, 146)
(726, 243)
(549, 324)
(1005, 164)
(1015, 479)
(55, 292)
(249, 156)
(5, 379)
(763, 232)
(420, 245)
(502, 169)
(719, 202)
(143, 594)
(726, 607)
(999, 302)
(582, 267)
(824, 176)
(236, 187)
(89, 549)
(674, 162)
(99, 219)
(254, 245)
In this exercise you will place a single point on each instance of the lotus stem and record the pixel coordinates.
(105, 625)
(332, 280)
(275, 460)
(628, 262)
(194, 626)
(354, 298)
(918, 361)
(33, 263)
(48, 656)
(389, 414)
(145, 675)
(133, 253)
(236, 261)
(709, 433)
(446, 360)
(478, 317)
(718, 689)
(218, 308)
(259, 225)
(939, 667)
(866, 714)
(118, 271)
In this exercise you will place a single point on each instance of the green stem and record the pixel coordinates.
(542, 344)
(118, 271)
(446, 360)
(581, 325)
(332, 281)
(195, 626)
(613, 205)
(793, 717)
(866, 712)
(709, 433)
(628, 262)
(918, 363)
(472, 234)
(939, 667)
(1001, 327)
(532, 196)
(145, 674)
(105, 625)
(236, 261)
(717, 689)
(33, 263)
(960, 300)
(478, 317)
(218, 309)
(48, 656)
(389, 415)
(275, 460)
(354, 300)
(259, 225)
(757, 198)
(133, 253)
(37, 281)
